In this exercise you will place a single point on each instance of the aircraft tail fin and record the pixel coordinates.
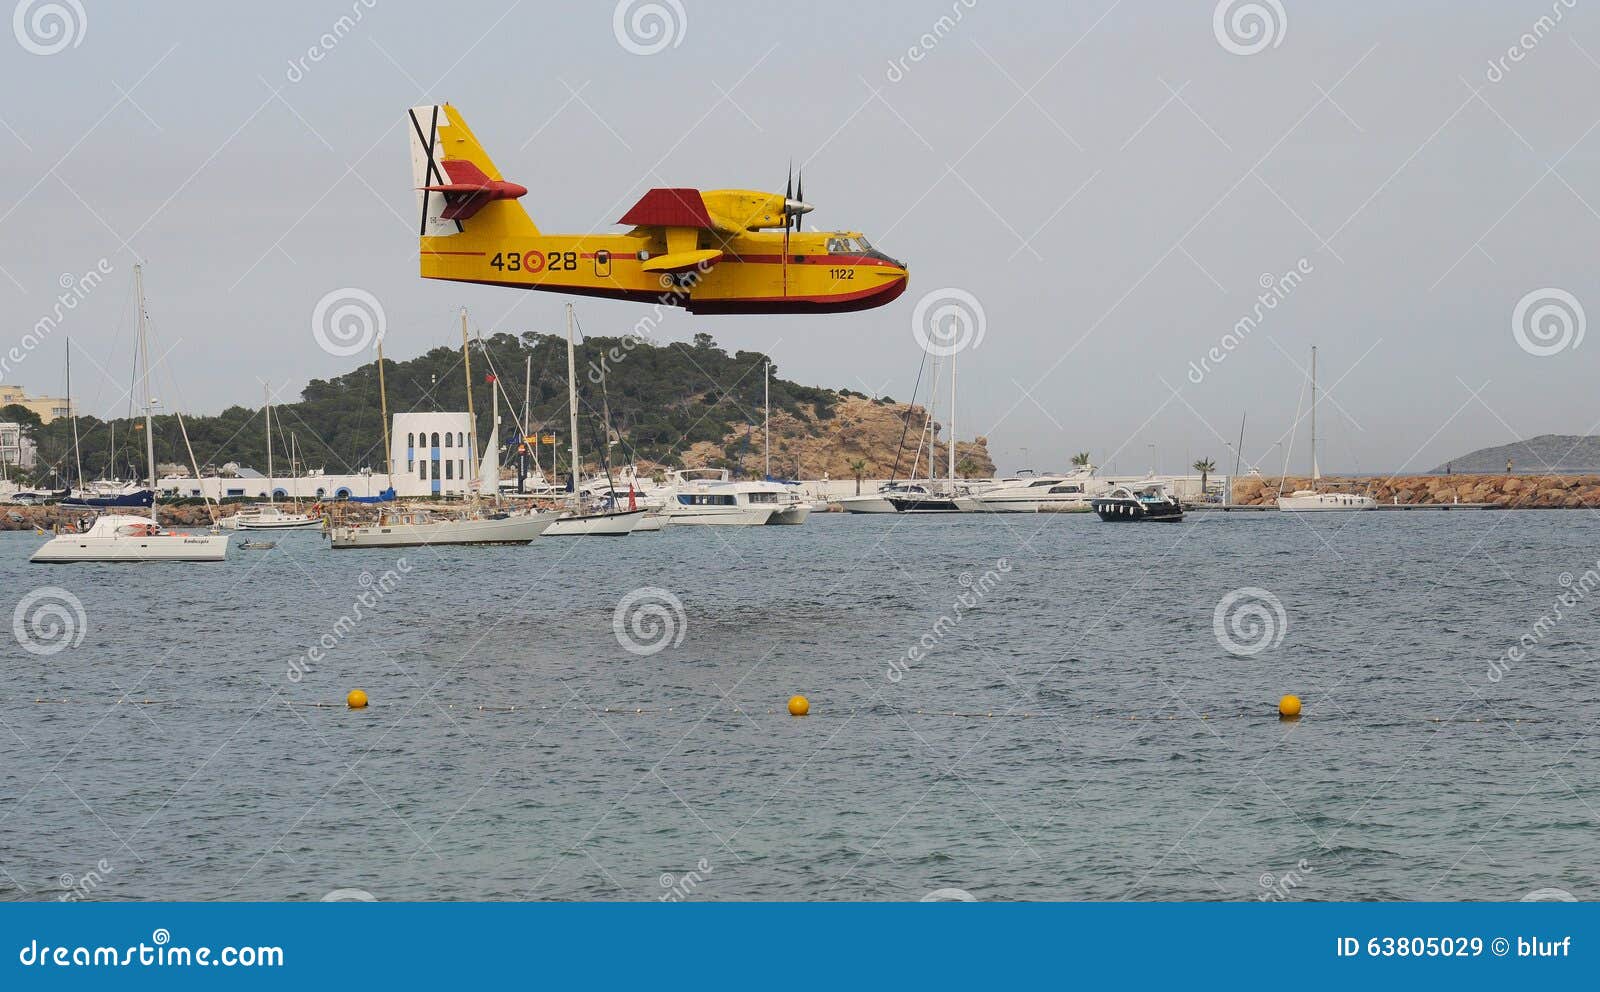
(459, 190)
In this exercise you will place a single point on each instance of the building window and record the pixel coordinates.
(422, 471)
(461, 438)
(411, 439)
(447, 440)
(449, 470)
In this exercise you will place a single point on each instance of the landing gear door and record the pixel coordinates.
(602, 264)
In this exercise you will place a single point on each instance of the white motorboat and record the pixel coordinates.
(117, 537)
(120, 537)
(269, 517)
(417, 527)
(1313, 499)
(1060, 493)
(709, 497)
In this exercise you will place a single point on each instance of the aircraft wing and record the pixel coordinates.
(676, 207)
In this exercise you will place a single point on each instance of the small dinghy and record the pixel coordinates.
(258, 545)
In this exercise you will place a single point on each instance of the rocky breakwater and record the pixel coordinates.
(48, 517)
(1522, 492)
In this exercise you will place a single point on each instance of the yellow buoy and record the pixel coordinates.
(1289, 706)
(799, 706)
(356, 700)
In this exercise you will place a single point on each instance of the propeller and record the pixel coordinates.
(794, 199)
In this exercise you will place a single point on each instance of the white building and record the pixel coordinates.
(433, 455)
(16, 451)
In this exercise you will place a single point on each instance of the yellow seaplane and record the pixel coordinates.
(712, 251)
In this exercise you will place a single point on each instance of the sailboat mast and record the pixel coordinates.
(950, 443)
(572, 405)
(766, 423)
(144, 363)
(77, 456)
(527, 423)
(472, 417)
(1316, 473)
(266, 394)
(383, 404)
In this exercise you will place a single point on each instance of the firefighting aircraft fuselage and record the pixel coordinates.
(717, 251)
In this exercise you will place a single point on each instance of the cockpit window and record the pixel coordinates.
(841, 246)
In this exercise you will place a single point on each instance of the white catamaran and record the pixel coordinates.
(122, 537)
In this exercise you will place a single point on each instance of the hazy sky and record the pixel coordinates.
(1113, 182)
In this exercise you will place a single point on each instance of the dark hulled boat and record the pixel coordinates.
(1150, 501)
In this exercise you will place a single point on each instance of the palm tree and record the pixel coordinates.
(1205, 467)
(859, 467)
(1080, 460)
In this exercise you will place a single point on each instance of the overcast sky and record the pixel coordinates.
(1114, 182)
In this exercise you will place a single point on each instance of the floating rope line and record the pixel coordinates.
(1255, 713)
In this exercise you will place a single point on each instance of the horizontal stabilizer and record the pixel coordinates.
(469, 190)
(682, 261)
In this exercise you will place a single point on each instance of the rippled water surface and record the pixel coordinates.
(1105, 744)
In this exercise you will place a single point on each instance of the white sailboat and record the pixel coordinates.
(577, 521)
(1308, 500)
(399, 528)
(271, 516)
(122, 537)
